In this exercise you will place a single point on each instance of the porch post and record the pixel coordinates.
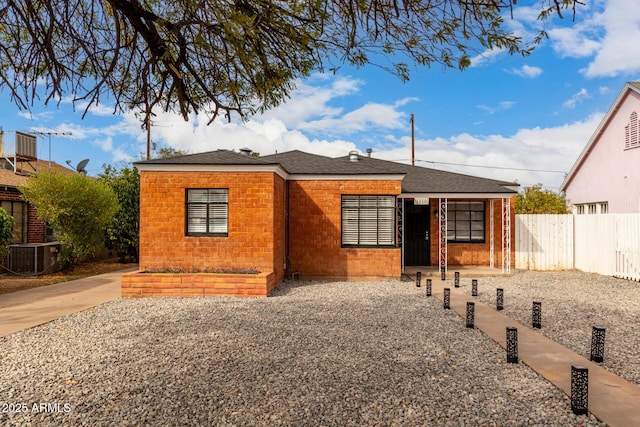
(491, 236)
(442, 243)
(506, 235)
(400, 230)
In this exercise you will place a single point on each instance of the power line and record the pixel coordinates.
(483, 166)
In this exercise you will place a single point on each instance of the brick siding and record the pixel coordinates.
(255, 217)
(315, 236)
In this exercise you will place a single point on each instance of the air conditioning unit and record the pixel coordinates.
(34, 258)
(26, 145)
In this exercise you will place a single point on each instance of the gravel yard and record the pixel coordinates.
(572, 303)
(376, 353)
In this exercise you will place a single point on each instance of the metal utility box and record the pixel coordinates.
(34, 258)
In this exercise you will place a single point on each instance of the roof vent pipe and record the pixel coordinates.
(246, 151)
(369, 150)
(353, 156)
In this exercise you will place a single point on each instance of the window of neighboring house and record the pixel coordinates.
(207, 212)
(592, 208)
(604, 207)
(465, 222)
(580, 209)
(632, 132)
(368, 220)
(20, 213)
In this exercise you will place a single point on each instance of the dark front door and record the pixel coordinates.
(416, 247)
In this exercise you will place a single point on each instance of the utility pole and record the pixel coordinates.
(413, 143)
(49, 135)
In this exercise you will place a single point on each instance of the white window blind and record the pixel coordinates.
(368, 220)
(207, 211)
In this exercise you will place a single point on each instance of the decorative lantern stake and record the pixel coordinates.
(579, 390)
(428, 287)
(471, 311)
(500, 299)
(456, 280)
(536, 315)
(447, 298)
(597, 344)
(418, 278)
(474, 288)
(512, 344)
(443, 274)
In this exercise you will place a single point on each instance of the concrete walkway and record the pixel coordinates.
(611, 398)
(32, 307)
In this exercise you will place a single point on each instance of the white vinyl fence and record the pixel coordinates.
(606, 244)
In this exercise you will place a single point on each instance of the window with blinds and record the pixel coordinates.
(207, 212)
(632, 132)
(465, 222)
(368, 220)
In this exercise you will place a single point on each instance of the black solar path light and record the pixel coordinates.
(536, 315)
(579, 390)
(597, 344)
(446, 303)
(418, 278)
(456, 279)
(500, 299)
(474, 288)
(512, 344)
(471, 311)
(428, 287)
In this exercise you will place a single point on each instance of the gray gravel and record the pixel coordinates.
(345, 354)
(573, 303)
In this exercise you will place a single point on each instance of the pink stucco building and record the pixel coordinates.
(606, 176)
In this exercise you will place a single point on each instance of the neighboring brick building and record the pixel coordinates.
(28, 227)
(302, 214)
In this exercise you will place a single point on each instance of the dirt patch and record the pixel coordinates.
(13, 283)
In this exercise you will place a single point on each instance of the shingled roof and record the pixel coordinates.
(417, 179)
(426, 180)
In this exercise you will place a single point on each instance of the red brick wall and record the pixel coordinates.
(315, 239)
(476, 253)
(255, 212)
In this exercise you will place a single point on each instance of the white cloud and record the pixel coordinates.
(606, 31)
(43, 116)
(502, 106)
(619, 51)
(576, 98)
(574, 42)
(526, 71)
(105, 144)
(487, 56)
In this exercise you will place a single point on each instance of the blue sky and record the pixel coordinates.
(506, 117)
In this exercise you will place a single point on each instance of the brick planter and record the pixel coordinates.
(141, 284)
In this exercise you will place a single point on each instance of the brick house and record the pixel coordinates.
(301, 214)
(29, 230)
